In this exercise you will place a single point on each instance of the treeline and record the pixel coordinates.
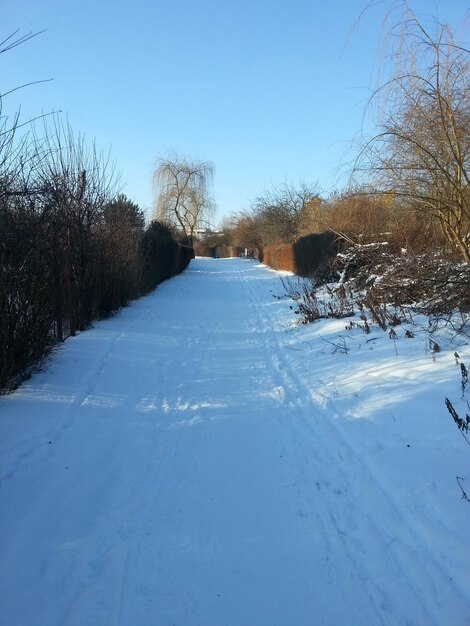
(408, 189)
(289, 215)
(72, 250)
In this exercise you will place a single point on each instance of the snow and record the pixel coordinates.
(199, 459)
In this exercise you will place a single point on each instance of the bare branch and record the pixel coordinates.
(182, 193)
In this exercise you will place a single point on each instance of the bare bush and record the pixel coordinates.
(280, 210)
(311, 304)
(247, 234)
(26, 316)
(71, 250)
(77, 183)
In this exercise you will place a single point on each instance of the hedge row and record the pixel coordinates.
(306, 257)
(214, 252)
(55, 281)
(162, 257)
(279, 257)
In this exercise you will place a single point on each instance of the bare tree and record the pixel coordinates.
(77, 182)
(246, 233)
(13, 150)
(280, 213)
(183, 196)
(421, 154)
(70, 250)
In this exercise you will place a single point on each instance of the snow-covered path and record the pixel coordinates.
(172, 466)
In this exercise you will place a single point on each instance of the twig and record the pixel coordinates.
(464, 495)
(338, 347)
(300, 349)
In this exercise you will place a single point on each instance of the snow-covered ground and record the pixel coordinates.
(200, 460)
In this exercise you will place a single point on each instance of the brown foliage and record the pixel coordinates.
(201, 248)
(280, 257)
(225, 252)
(309, 256)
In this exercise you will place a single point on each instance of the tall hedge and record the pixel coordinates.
(49, 289)
(313, 253)
(306, 257)
(279, 257)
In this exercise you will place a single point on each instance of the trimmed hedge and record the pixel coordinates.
(279, 257)
(184, 255)
(313, 253)
(306, 257)
(41, 300)
(162, 256)
(214, 252)
(224, 252)
(201, 249)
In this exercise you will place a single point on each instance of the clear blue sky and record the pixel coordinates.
(269, 90)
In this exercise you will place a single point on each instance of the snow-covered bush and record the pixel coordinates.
(387, 285)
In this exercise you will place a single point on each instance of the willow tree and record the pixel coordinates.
(183, 197)
(421, 152)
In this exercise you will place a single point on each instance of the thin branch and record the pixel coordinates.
(7, 44)
(464, 495)
(35, 82)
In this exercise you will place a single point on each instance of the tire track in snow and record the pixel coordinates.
(317, 437)
(137, 528)
(255, 518)
(142, 524)
(36, 450)
(293, 396)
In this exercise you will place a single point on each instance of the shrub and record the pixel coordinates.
(279, 257)
(26, 297)
(311, 304)
(433, 283)
(43, 298)
(159, 255)
(183, 257)
(313, 253)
